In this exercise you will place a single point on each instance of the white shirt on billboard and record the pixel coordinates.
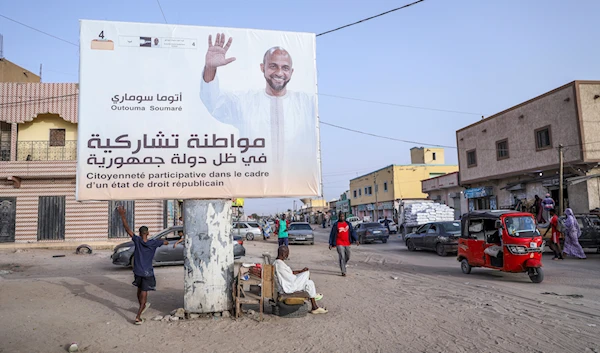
(286, 122)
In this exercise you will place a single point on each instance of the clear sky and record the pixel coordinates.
(478, 56)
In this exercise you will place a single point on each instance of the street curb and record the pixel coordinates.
(56, 246)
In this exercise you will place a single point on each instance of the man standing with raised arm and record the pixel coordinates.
(143, 273)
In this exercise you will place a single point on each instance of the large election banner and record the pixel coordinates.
(186, 112)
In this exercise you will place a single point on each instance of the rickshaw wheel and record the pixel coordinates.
(465, 267)
(536, 275)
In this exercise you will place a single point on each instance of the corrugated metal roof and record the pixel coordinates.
(21, 102)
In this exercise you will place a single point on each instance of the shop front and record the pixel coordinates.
(371, 211)
(481, 198)
(386, 209)
(361, 211)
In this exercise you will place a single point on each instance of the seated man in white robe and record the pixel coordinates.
(296, 281)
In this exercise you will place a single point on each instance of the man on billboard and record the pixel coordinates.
(283, 117)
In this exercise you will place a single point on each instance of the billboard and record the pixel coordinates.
(186, 112)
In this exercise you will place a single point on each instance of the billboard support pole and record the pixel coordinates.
(208, 256)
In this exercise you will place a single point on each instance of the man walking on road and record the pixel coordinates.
(341, 236)
(143, 273)
(386, 223)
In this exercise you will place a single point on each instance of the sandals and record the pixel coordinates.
(319, 311)
(136, 322)
(319, 296)
(145, 308)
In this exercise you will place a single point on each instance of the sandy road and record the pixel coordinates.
(392, 300)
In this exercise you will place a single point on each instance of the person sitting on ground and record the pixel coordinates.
(296, 281)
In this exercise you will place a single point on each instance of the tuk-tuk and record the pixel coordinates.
(504, 240)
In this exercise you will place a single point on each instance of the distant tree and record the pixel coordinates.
(254, 215)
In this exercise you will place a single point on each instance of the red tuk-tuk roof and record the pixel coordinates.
(495, 214)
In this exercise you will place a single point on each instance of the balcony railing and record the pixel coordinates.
(42, 151)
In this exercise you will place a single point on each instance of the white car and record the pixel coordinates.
(354, 221)
(393, 226)
(250, 230)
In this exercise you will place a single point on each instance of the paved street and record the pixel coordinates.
(392, 300)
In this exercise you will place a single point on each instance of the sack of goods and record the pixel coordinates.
(421, 213)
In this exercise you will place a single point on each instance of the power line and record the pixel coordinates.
(386, 137)
(40, 31)
(370, 18)
(400, 105)
(38, 99)
(161, 11)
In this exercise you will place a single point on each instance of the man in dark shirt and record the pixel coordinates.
(386, 223)
(143, 254)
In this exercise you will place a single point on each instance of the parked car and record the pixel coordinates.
(354, 221)
(439, 236)
(370, 232)
(166, 254)
(301, 233)
(590, 230)
(247, 229)
(393, 226)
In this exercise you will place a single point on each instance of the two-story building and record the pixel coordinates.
(38, 139)
(379, 193)
(508, 158)
(11, 72)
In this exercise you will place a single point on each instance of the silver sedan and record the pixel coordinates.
(301, 233)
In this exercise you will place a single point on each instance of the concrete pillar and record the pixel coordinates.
(13, 141)
(208, 256)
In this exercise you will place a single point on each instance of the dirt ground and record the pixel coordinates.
(391, 301)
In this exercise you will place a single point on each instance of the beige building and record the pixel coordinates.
(510, 157)
(38, 147)
(11, 72)
(446, 189)
(378, 194)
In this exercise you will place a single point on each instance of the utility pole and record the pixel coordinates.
(208, 256)
(376, 218)
(560, 179)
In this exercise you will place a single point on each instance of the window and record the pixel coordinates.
(4, 141)
(354, 193)
(366, 190)
(385, 187)
(433, 156)
(370, 188)
(359, 192)
(57, 137)
(543, 138)
(502, 149)
(471, 158)
(423, 229)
